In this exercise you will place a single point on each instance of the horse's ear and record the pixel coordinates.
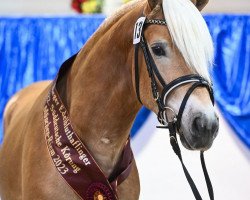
(200, 4)
(153, 3)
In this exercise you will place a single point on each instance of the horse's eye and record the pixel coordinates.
(158, 51)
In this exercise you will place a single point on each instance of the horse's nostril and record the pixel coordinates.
(198, 126)
(203, 126)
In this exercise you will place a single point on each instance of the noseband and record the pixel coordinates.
(173, 124)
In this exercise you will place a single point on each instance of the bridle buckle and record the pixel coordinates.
(173, 138)
(157, 96)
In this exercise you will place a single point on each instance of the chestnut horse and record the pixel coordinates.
(99, 92)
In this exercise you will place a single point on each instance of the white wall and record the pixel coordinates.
(161, 175)
(27, 7)
(228, 6)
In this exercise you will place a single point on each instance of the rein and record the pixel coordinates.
(175, 123)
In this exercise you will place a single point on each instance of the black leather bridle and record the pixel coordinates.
(175, 123)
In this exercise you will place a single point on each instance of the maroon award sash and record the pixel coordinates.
(72, 159)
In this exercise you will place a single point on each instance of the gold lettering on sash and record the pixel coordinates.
(75, 143)
(49, 137)
(55, 98)
(59, 165)
(66, 153)
(56, 128)
(55, 137)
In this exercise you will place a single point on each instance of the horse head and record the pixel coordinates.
(178, 46)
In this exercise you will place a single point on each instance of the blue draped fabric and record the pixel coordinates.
(231, 35)
(33, 48)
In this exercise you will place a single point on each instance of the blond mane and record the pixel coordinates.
(190, 34)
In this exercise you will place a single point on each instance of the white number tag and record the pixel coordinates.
(138, 30)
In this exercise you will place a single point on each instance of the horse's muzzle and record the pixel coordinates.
(204, 129)
(202, 132)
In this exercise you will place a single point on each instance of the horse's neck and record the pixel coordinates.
(100, 95)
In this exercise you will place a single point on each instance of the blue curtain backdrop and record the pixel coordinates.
(33, 48)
